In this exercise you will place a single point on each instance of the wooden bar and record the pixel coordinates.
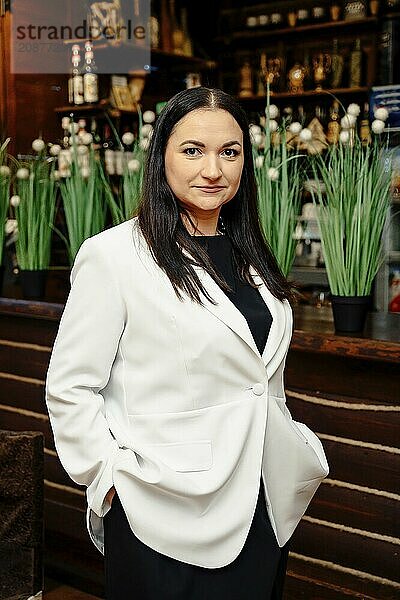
(346, 388)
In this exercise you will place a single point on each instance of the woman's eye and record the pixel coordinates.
(232, 151)
(191, 151)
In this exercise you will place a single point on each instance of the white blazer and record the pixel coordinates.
(173, 404)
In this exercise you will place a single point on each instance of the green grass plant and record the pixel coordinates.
(352, 212)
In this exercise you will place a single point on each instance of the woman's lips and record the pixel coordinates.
(210, 190)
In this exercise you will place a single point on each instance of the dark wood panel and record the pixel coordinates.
(363, 466)
(22, 394)
(368, 426)
(24, 361)
(34, 331)
(20, 422)
(356, 509)
(373, 556)
(64, 497)
(341, 375)
(309, 581)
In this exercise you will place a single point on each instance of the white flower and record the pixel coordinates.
(295, 128)
(73, 127)
(259, 161)
(11, 226)
(254, 130)
(66, 173)
(381, 113)
(85, 172)
(133, 165)
(257, 139)
(348, 121)
(86, 138)
(38, 145)
(273, 125)
(353, 109)
(305, 134)
(344, 136)
(65, 121)
(377, 126)
(147, 130)
(144, 143)
(82, 150)
(149, 116)
(23, 173)
(273, 111)
(55, 149)
(128, 138)
(273, 174)
(15, 200)
(5, 171)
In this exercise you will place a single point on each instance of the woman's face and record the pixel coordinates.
(204, 161)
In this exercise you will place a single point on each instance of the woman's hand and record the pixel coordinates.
(110, 495)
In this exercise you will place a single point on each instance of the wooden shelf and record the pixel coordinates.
(93, 108)
(305, 94)
(256, 33)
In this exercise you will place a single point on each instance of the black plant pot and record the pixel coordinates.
(33, 283)
(350, 312)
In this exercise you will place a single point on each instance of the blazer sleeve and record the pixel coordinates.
(80, 364)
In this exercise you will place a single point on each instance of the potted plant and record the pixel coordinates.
(4, 202)
(279, 182)
(86, 195)
(352, 206)
(129, 190)
(34, 207)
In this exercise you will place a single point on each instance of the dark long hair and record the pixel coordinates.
(159, 213)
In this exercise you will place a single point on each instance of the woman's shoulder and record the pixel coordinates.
(115, 236)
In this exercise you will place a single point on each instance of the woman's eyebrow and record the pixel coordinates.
(197, 143)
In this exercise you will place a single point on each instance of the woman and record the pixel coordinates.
(168, 360)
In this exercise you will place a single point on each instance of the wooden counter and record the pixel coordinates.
(345, 388)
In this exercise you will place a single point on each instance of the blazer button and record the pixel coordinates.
(258, 389)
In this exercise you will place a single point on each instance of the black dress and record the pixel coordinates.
(135, 571)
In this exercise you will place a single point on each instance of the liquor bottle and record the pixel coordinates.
(187, 46)
(333, 130)
(355, 65)
(90, 77)
(165, 21)
(178, 37)
(365, 130)
(77, 78)
(108, 150)
(337, 65)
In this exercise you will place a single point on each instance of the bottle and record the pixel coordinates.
(77, 78)
(365, 130)
(333, 129)
(178, 37)
(90, 77)
(108, 150)
(187, 46)
(355, 65)
(337, 65)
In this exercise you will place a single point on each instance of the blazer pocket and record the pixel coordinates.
(184, 457)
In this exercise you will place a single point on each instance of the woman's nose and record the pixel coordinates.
(211, 168)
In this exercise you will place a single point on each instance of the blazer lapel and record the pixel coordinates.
(224, 310)
(227, 312)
